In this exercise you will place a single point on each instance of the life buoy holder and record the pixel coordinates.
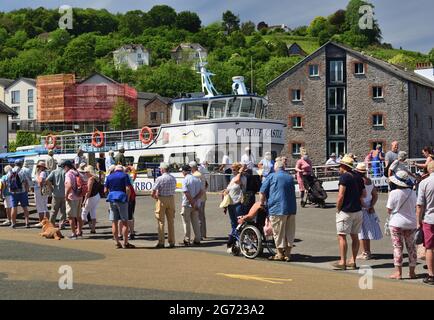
(142, 135)
(95, 135)
(50, 141)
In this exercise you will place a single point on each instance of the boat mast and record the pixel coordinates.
(207, 86)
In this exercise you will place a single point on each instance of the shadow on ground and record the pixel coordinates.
(37, 252)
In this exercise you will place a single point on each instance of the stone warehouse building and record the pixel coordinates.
(341, 100)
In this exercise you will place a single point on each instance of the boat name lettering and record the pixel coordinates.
(143, 186)
(257, 132)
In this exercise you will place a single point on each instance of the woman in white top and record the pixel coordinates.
(41, 191)
(236, 189)
(401, 207)
(370, 228)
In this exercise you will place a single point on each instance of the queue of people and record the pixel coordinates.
(76, 192)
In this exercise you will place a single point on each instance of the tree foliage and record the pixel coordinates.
(162, 15)
(188, 20)
(231, 22)
(247, 28)
(122, 116)
(25, 138)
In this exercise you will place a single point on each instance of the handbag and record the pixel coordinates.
(268, 229)
(226, 201)
(419, 236)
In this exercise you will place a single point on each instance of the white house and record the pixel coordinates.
(5, 112)
(132, 56)
(189, 53)
(425, 70)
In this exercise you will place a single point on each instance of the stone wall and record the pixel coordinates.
(422, 108)
(361, 106)
(312, 108)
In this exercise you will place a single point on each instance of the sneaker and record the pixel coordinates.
(429, 280)
(364, 256)
(159, 246)
(39, 225)
(185, 243)
(7, 223)
(13, 226)
(172, 245)
(27, 226)
(72, 237)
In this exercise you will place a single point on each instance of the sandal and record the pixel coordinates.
(129, 246)
(276, 258)
(118, 246)
(352, 266)
(339, 266)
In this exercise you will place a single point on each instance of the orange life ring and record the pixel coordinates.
(95, 135)
(142, 135)
(50, 142)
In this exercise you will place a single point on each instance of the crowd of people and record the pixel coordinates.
(76, 189)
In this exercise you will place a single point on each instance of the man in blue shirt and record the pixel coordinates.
(117, 185)
(279, 191)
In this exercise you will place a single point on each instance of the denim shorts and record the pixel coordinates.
(20, 198)
(118, 211)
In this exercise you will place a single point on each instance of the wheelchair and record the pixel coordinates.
(251, 242)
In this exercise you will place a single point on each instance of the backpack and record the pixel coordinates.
(15, 183)
(80, 189)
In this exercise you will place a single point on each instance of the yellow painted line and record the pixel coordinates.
(255, 278)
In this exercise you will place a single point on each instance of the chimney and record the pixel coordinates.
(423, 65)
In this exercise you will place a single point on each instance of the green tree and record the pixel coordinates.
(162, 15)
(17, 40)
(231, 22)
(300, 31)
(58, 40)
(3, 36)
(26, 138)
(337, 20)
(134, 22)
(122, 116)
(317, 25)
(237, 39)
(431, 56)
(262, 25)
(247, 28)
(188, 20)
(352, 18)
(79, 55)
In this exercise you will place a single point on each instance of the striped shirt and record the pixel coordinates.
(165, 185)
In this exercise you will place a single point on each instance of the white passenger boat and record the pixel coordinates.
(201, 128)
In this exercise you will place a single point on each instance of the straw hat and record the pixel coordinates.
(401, 179)
(90, 169)
(41, 163)
(82, 167)
(347, 161)
(361, 167)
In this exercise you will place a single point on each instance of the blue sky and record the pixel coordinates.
(409, 24)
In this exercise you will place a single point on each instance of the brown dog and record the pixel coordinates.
(49, 231)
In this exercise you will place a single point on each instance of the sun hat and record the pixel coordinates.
(82, 167)
(41, 163)
(352, 155)
(193, 164)
(401, 179)
(347, 161)
(361, 167)
(90, 169)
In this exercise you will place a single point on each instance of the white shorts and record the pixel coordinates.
(7, 202)
(90, 207)
(349, 223)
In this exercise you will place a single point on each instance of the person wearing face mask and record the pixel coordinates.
(266, 165)
(303, 167)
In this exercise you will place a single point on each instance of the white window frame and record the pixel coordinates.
(30, 96)
(315, 67)
(333, 69)
(294, 95)
(335, 107)
(336, 121)
(375, 116)
(336, 150)
(297, 146)
(12, 97)
(297, 126)
(33, 112)
(356, 72)
(375, 92)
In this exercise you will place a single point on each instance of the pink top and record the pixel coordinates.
(70, 179)
(305, 166)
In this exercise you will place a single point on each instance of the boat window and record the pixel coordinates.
(248, 108)
(177, 160)
(149, 162)
(259, 108)
(217, 109)
(194, 111)
(129, 161)
(233, 107)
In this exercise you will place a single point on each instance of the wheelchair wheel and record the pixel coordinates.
(251, 242)
(270, 245)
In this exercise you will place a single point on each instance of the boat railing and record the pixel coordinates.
(112, 140)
